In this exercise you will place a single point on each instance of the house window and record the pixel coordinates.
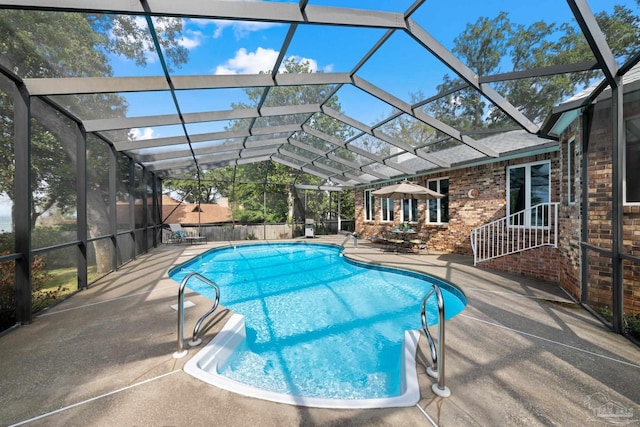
(368, 205)
(631, 181)
(528, 186)
(572, 170)
(386, 211)
(439, 209)
(409, 210)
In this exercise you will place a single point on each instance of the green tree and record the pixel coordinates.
(54, 44)
(190, 191)
(488, 44)
(280, 179)
(245, 185)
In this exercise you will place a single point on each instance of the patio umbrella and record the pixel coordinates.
(407, 190)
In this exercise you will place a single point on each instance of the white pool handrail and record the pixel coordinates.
(181, 352)
(436, 370)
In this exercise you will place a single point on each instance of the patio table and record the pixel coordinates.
(407, 237)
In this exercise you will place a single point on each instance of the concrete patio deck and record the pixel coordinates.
(521, 353)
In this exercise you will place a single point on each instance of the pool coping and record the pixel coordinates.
(204, 366)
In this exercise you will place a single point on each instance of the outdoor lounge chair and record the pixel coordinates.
(178, 235)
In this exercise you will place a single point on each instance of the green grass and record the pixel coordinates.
(62, 282)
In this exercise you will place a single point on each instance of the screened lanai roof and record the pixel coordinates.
(367, 112)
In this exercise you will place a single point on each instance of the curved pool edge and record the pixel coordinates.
(352, 258)
(450, 286)
(183, 265)
(204, 366)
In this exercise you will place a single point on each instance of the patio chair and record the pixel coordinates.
(420, 242)
(178, 235)
(374, 238)
(394, 243)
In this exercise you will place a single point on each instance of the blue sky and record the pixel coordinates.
(219, 47)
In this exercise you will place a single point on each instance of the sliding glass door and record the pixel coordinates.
(528, 186)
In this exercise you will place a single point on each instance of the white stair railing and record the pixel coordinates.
(531, 228)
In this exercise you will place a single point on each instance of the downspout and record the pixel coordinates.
(587, 117)
(617, 201)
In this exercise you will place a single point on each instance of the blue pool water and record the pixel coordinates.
(317, 324)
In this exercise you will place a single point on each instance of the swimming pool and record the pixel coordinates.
(316, 328)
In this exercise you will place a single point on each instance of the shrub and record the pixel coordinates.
(606, 313)
(41, 295)
(630, 322)
(632, 325)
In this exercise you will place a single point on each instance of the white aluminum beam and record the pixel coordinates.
(318, 187)
(112, 6)
(87, 85)
(149, 143)
(286, 162)
(228, 10)
(101, 125)
(216, 159)
(247, 154)
(353, 177)
(358, 178)
(268, 130)
(177, 163)
(175, 172)
(371, 171)
(257, 159)
(295, 156)
(265, 142)
(90, 85)
(319, 169)
(186, 152)
(321, 165)
(335, 158)
(325, 137)
(176, 140)
(307, 147)
(119, 123)
(353, 17)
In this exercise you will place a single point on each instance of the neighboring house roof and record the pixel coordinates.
(565, 113)
(174, 211)
(193, 213)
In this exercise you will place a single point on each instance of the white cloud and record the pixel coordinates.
(241, 29)
(249, 62)
(261, 60)
(144, 133)
(191, 39)
(328, 69)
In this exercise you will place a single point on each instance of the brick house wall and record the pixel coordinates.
(569, 210)
(466, 213)
(599, 215)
